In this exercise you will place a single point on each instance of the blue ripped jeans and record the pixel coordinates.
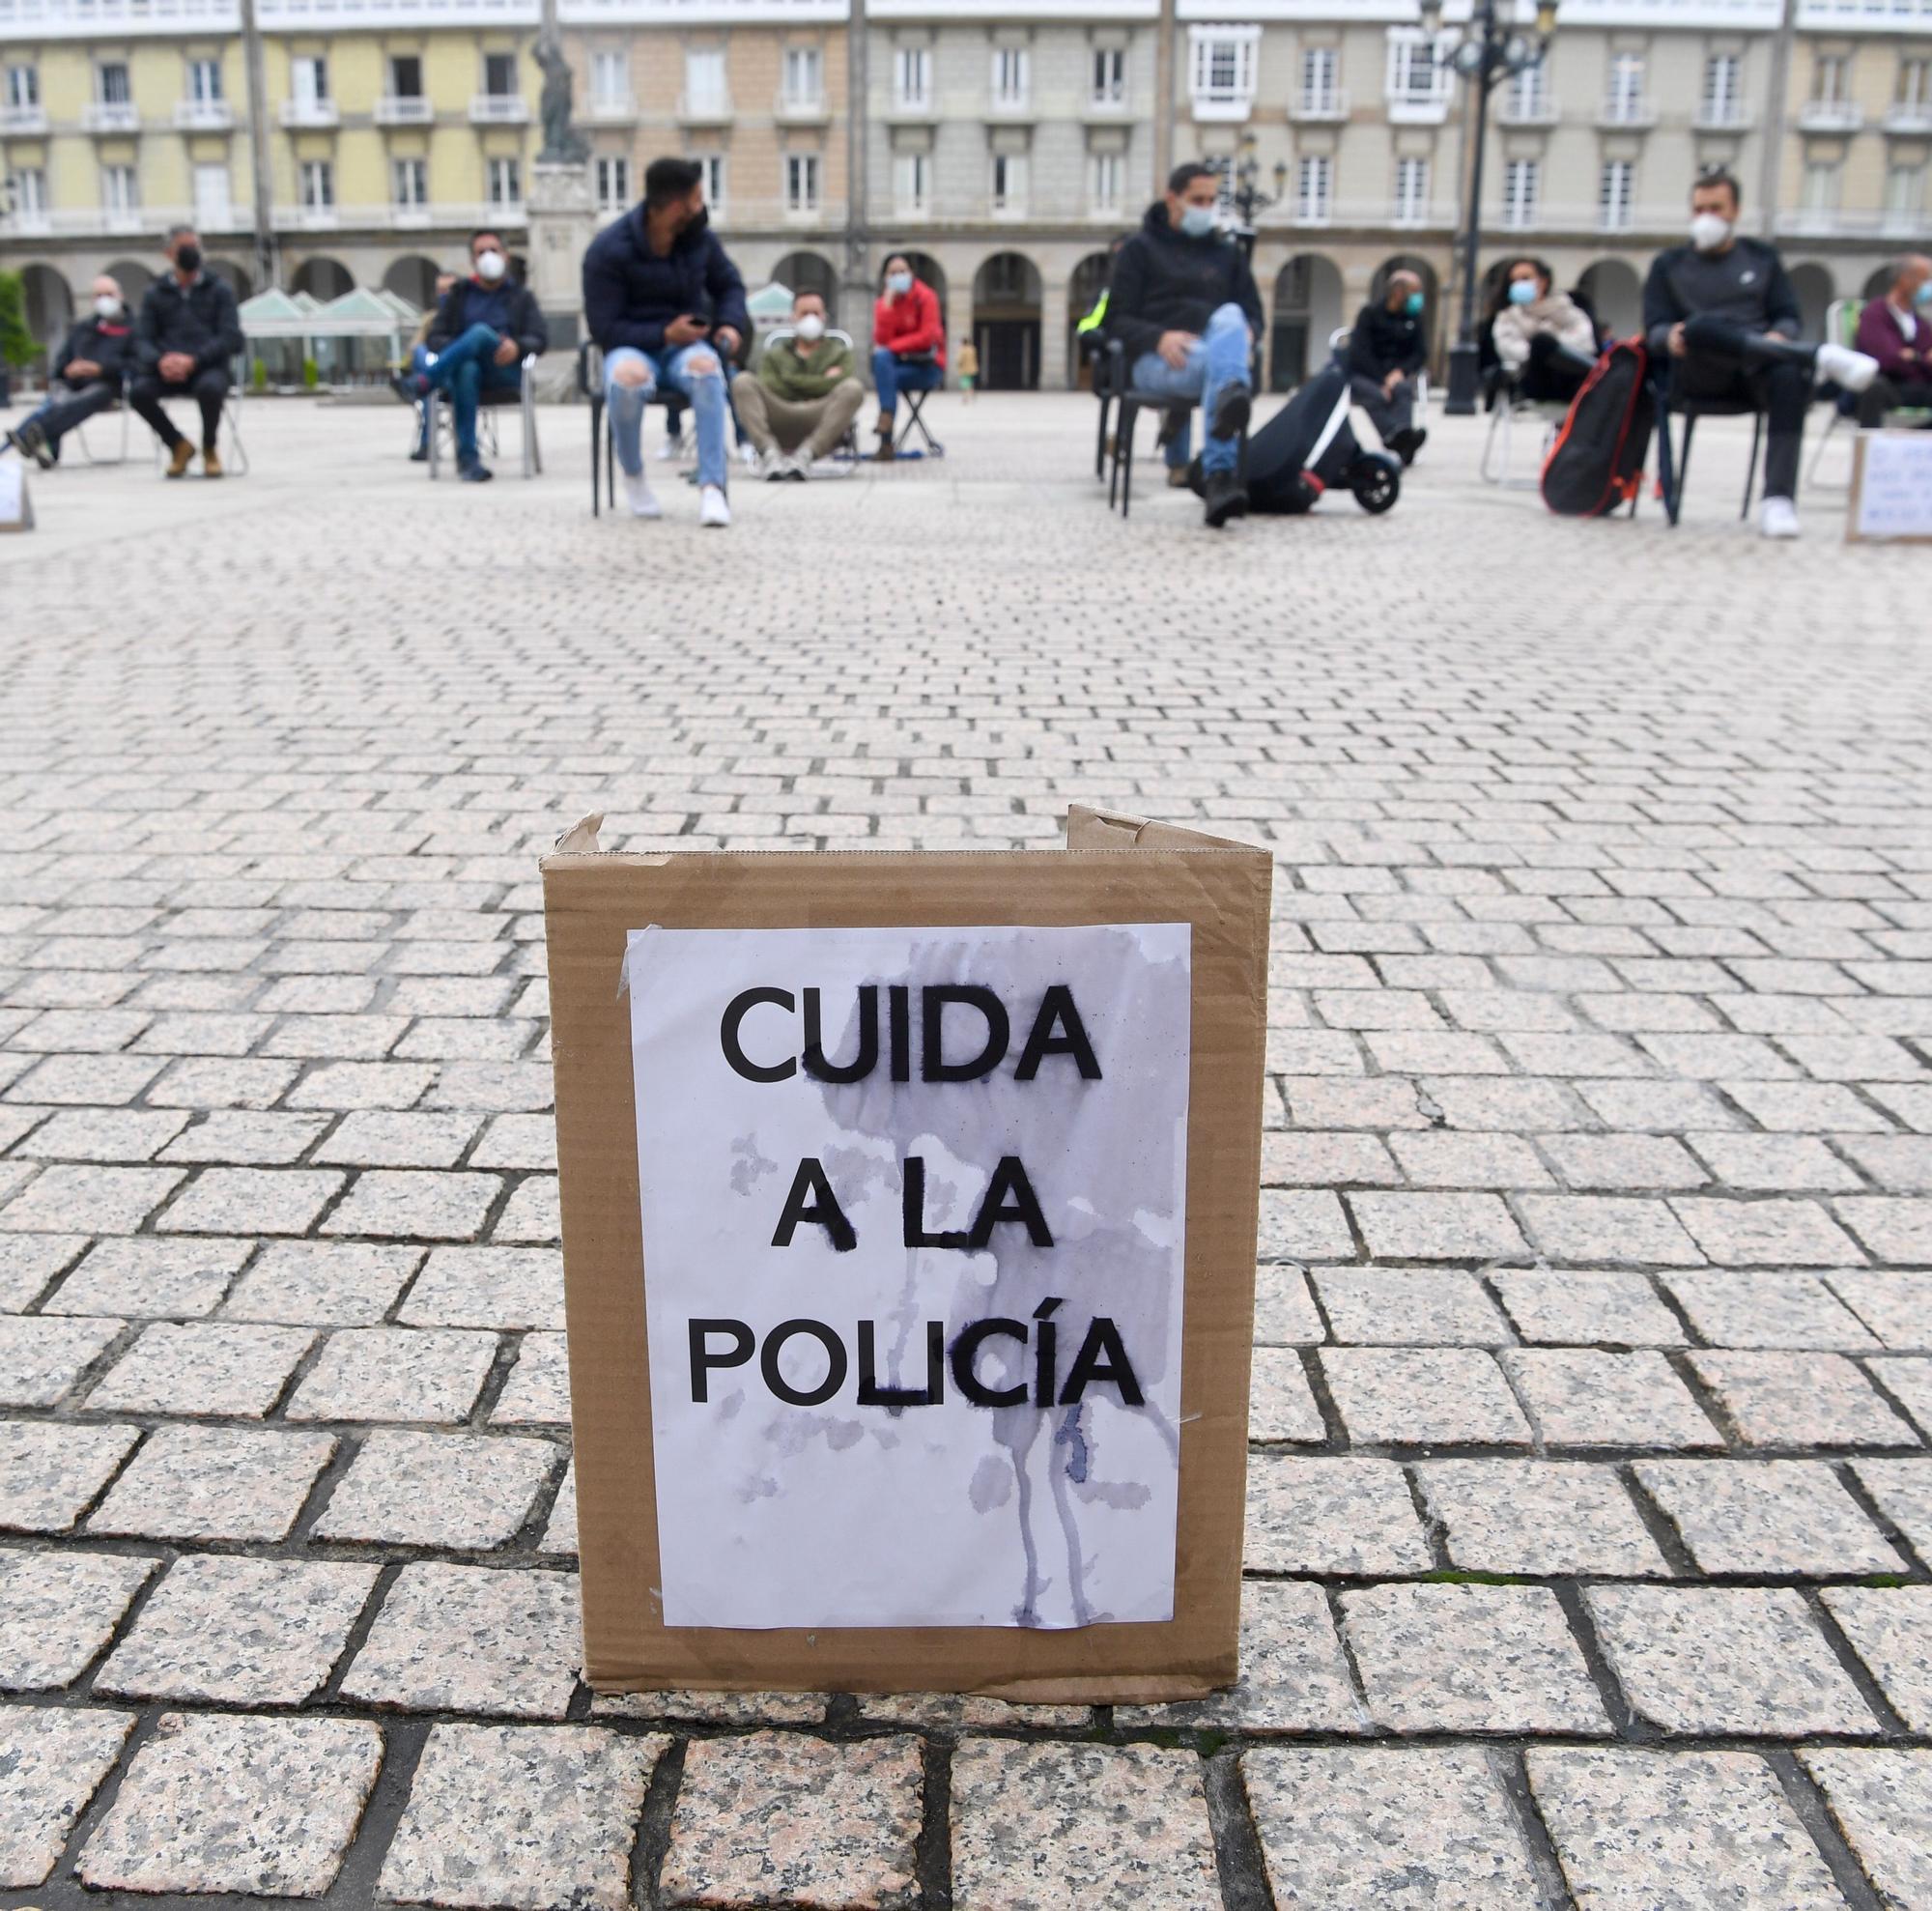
(705, 389)
(1215, 360)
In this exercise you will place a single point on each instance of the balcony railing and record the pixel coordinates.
(317, 219)
(1418, 108)
(1541, 110)
(1830, 116)
(500, 109)
(1626, 114)
(1219, 105)
(1912, 120)
(705, 108)
(405, 109)
(796, 109)
(23, 119)
(1314, 105)
(37, 224)
(611, 109)
(310, 113)
(203, 116)
(122, 218)
(110, 116)
(1722, 116)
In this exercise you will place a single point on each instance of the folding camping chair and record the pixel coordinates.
(489, 401)
(914, 400)
(87, 451)
(1510, 407)
(235, 460)
(845, 455)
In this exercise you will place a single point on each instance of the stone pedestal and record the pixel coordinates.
(563, 221)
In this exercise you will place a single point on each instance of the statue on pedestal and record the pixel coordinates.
(562, 143)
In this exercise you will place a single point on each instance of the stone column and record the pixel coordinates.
(1053, 327)
(563, 221)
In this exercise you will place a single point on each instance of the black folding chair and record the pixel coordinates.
(1131, 404)
(913, 401)
(1673, 461)
(603, 450)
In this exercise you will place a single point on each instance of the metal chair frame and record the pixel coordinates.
(87, 451)
(1131, 403)
(1842, 323)
(914, 420)
(1673, 462)
(603, 447)
(1510, 405)
(845, 455)
(235, 464)
(524, 399)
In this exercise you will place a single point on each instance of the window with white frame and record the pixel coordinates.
(409, 184)
(1106, 181)
(111, 78)
(1314, 189)
(203, 82)
(24, 88)
(1617, 195)
(804, 76)
(1832, 79)
(1724, 100)
(1013, 75)
(612, 173)
(213, 210)
(712, 166)
(1905, 192)
(912, 76)
(610, 77)
(308, 79)
(1321, 79)
(1623, 101)
(704, 78)
(1222, 70)
(912, 185)
(505, 188)
(801, 182)
(1914, 84)
(1521, 182)
(1529, 93)
(1818, 190)
(318, 186)
(1416, 79)
(1110, 76)
(1010, 183)
(120, 192)
(1411, 190)
(27, 191)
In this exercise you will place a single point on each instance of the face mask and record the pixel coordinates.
(1412, 305)
(490, 267)
(1709, 231)
(188, 259)
(105, 307)
(898, 282)
(1197, 221)
(811, 328)
(1523, 292)
(697, 221)
(1924, 295)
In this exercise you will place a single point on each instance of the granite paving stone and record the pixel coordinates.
(1281, 1403)
(1594, 1229)
(1786, 1400)
(431, 1374)
(28, 1262)
(1437, 1227)
(1423, 1396)
(1882, 1802)
(1588, 1397)
(414, 1205)
(1895, 1303)
(1331, 1515)
(488, 1287)
(1539, 1517)
(1114, 1827)
(264, 1807)
(214, 1483)
(51, 1471)
(322, 1283)
(1610, 1306)
(774, 1816)
(1298, 1225)
(1756, 1234)
(202, 1367)
(41, 1358)
(105, 1200)
(1902, 1490)
(1890, 1628)
(461, 1491)
(1285, 1310)
(58, 1609)
(147, 1277)
(284, 1201)
(1766, 1308)
(537, 1390)
(1409, 1306)
(1766, 1517)
(51, 1763)
(1909, 1381)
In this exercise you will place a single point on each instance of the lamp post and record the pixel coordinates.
(1243, 173)
(1491, 49)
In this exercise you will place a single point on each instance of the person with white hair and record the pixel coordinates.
(88, 374)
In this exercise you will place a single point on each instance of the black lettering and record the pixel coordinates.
(1057, 1011)
(811, 1200)
(1102, 1357)
(934, 1066)
(1045, 1343)
(898, 1015)
(863, 1063)
(702, 1359)
(727, 1035)
(872, 1394)
(1009, 1197)
(913, 1204)
(835, 1355)
(966, 1348)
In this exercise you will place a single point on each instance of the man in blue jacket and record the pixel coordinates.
(669, 308)
(485, 328)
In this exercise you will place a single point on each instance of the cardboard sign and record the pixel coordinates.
(17, 507)
(909, 1220)
(1891, 487)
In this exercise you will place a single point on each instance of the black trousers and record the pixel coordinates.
(208, 388)
(1721, 364)
(1390, 412)
(60, 416)
(1885, 394)
(1549, 377)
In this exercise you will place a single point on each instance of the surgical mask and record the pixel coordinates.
(811, 328)
(1197, 221)
(1924, 295)
(1412, 305)
(898, 282)
(1709, 231)
(490, 267)
(1523, 292)
(105, 307)
(188, 259)
(697, 221)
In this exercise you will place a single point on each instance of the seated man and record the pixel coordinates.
(1183, 306)
(1721, 313)
(804, 398)
(668, 306)
(1387, 348)
(90, 370)
(188, 332)
(908, 344)
(1896, 331)
(485, 328)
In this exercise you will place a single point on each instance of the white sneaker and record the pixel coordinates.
(1779, 518)
(798, 466)
(671, 449)
(771, 464)
(714, 510)
(640, 498)
(749, 456)
(1848, 370)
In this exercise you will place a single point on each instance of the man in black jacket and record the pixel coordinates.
(93, 365)
(1722, 314)
(189, 333)
(668, 306)
(1184, 306)
(1387, 348)
(485, 328)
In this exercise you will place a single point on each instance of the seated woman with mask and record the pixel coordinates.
(1544, 339)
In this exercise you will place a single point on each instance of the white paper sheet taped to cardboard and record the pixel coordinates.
(914, 1219)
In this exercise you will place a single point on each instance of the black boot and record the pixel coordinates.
(1226, 498)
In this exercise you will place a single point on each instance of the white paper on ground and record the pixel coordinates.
(772, 1513)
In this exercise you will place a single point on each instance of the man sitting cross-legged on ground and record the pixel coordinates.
(805, 396)
(1719, 313)
(87, 374)
(668, 306)
(485, 328)
(1183, 306)
(189, 332)
(1896, 331)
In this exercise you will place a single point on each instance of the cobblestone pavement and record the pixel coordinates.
(1591, 1505)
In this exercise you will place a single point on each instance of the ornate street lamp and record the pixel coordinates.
(1490, 49)
(1243, 173)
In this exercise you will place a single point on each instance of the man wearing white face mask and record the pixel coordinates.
(88, 372)
(1723, 315)
(485, 328)
(804, 396)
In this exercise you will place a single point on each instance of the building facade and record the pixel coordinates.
(1003, 143)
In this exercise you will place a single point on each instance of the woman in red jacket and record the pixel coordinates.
(908, 343)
